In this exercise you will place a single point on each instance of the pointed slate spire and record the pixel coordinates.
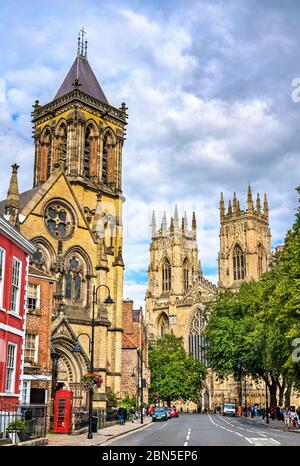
(266, 206)
(258, 206)
(153, 225)
(249, 199)
(82, 74)
(12, 203)
(222, 206)
(164, 224)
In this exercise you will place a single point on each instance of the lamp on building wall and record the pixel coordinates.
(78, 349)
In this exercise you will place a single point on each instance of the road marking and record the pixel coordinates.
(261, 442)
(274, 440)
(185, 444)
(188, 437)
(240, 435)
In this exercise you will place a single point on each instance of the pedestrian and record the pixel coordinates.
(286, 417)
(121, 415)
(252, 412)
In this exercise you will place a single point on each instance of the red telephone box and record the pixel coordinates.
(63, 411)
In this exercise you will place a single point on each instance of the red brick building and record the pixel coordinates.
(37, 358)
(134, 350)
(14, 260)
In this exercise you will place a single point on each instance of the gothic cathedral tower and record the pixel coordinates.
(245, 241)
(173, 269)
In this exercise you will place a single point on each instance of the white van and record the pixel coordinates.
(229, 409)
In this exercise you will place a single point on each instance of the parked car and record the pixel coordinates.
(174, 412)
(159, 414)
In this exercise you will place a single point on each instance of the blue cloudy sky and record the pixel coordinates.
(208, 85)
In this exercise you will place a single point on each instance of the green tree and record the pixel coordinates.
(174, 374)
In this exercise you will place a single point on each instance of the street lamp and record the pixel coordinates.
(140, 382)
(78, 349)
(55, 357)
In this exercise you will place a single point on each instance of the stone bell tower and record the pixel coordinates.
(173, 270)
(245, 241)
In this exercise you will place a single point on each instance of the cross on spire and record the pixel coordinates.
(81, 43)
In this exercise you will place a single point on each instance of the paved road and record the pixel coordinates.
(200, 430)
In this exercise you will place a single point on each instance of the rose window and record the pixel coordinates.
(59, 221)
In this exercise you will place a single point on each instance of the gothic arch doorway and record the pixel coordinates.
(68, 370)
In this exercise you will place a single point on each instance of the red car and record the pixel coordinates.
(174, 412)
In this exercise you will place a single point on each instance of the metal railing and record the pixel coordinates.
(21, 422)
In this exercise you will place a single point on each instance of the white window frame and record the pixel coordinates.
(26, 391)
(11, 389)
(38, 286)
(17, 304)
(36, 348)
(2, 278)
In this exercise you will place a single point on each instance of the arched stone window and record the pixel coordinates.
(163, 325)
(60, 140)
(73, 281)
(45, 156)
(197, 345)
(239, 265)
(186, 274)
(108, 159)
(105, 158)
(87, 153)
(166, 276)
(260, 257)
(44, 256)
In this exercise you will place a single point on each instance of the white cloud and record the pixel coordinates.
(208, 91)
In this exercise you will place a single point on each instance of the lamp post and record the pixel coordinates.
(265, 360)
(140, 356)
(77, 349)
(245, 387)
(139, 383)
(54, 356)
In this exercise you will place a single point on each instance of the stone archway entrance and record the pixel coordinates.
(68, 370)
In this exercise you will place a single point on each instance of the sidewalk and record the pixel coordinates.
(100, 437)
(277, 425)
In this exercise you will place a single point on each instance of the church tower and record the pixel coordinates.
(80, 127)
(73, 215)
(245, 241)
(174, 269)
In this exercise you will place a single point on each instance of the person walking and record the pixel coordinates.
(121, 415)
(286, 417)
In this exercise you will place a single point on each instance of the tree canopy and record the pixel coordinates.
(174, 373)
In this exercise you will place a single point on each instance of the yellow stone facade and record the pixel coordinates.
(73, 215)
